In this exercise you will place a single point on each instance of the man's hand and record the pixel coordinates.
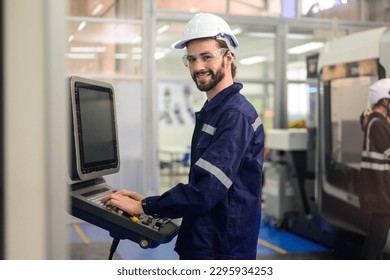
(133, 195)
(129, 202)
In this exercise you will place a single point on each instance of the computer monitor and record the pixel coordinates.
(94, 138)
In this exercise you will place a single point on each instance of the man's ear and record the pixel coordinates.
(230, 56)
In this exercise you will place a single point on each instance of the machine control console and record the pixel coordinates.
(146, 230)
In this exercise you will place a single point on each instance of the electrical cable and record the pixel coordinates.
(114, 245)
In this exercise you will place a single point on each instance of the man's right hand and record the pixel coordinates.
(133, 195)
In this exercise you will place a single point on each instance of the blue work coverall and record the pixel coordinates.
(221, 204)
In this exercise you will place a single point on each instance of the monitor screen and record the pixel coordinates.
(95, 149)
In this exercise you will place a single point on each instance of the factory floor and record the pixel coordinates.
(88, 242)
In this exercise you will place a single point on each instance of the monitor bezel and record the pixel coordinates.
(111, 167)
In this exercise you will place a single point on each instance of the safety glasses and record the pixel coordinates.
(208, 58)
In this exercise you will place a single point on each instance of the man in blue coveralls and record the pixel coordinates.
(221, 204)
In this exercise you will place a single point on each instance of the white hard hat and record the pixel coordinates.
(378, 90)
(205, 25)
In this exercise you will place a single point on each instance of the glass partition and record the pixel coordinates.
(256, 8)
(168, 60)
(255, 57)
(237, 7)
(109, 9)
(261, 95)
(105, 43)
(340, 9)
(192, 6)
(104, 48)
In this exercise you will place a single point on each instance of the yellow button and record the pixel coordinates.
(135, 219)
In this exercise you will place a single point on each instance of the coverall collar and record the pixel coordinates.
(214, 102)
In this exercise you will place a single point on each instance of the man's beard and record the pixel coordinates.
(215, 78)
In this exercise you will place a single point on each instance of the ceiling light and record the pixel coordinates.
(162, 29)
(136, 40)
(237, 31)
(292, 36)
(71, 37)
(82, 25)
(305, 48)
(87, 49)
(299, 36)
(136, 56)
(100, 49)
(252, 60)
(137, 50)
(261, 34)
(97, 9)
(159, 55)
(80, 55)
(121, 56)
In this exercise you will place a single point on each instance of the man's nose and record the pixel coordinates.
(198, 65)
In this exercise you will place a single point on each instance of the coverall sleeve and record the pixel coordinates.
(213, 173)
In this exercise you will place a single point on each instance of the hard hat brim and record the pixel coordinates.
(183, 43)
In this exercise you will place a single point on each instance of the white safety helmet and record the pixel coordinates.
(205, 25)
(378, 90)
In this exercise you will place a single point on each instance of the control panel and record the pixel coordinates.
(146, 230)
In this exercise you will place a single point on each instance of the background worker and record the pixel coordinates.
(374, 180)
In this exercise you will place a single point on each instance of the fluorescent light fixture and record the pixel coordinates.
(71, 37)
(82, 25)
(299, 36)
(261, 34)
(252, 60)
(121, 56)
(87, 49)
(162, 29)
(292, 36)
(80, 55)
(136, 56)
(305, 48)
(161, 53)
(136, 40)
(100, 49)
(97, 9)
(137, 50)
(237, 31)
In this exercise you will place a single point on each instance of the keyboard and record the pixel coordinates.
(146, 230)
